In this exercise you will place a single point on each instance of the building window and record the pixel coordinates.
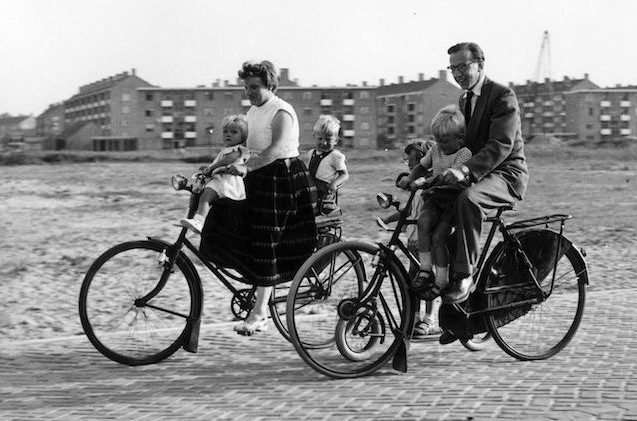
(390, 130)
(210, 96)
(307, 95)
(150, 127)
(125, 97)
(307, 111)
(149, 97)
(125, 110)
(363, 94)
(124, 123)
(149, 113)
(390, 108)
(590, 111)
(364, 110)
(410, 129)
(365, 125)
(411, 107)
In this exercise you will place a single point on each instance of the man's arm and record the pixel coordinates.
(503, 129)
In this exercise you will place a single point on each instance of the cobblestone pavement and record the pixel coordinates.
(262, 377)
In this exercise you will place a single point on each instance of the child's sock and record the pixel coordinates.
(442, 275)
(425, 260)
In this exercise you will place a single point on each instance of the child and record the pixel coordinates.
(416, 149)
(327, 164)
(219, 184)
(434, 224)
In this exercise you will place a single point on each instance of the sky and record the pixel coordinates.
(48, 48)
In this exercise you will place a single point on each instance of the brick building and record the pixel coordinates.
(173, 117)
(405, 109)
(111, 104)
(543, 105)
(602, 114)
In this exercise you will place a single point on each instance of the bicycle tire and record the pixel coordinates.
(116, 326)
(372, 343)
(540, 330)
(278, 299)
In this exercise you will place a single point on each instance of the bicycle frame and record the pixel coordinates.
(388, 251)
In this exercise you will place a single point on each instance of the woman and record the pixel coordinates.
(277, 231)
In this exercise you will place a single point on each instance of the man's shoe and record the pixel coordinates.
(447, 337)
(459, 290)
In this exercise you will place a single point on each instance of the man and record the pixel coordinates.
(497, 172)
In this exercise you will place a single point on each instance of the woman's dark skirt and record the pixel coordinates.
(268, 236)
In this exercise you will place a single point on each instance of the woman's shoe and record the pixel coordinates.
(248, 328)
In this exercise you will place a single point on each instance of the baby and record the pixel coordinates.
(220, 184)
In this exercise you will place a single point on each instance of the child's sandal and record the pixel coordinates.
(423, 280)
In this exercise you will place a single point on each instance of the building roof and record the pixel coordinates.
(403, 88)
(106, 83)
(9, 120)
(564, 85)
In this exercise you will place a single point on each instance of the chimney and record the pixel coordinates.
(618, 85)
(132, 72)
(239, 81)
(381, 82)
(364, 83)
(546, 80)
(442, 74)
(566, 79)
(226, 83)
(285, 73)
(586, 76)
(215, 84)
(421, 77)
(400, 79)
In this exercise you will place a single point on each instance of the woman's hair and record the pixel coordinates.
(327, 124)
(265, 70)
(237, 120)
(449, 121)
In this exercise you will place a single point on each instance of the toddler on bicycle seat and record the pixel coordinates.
(434, 223)
(219, 184)
(327, 164)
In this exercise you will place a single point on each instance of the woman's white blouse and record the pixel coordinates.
(260, 128)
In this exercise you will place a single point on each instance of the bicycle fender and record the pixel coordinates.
(191, 269)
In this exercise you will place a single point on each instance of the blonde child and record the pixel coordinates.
(326, 163)
(434, 224)
(220, 184)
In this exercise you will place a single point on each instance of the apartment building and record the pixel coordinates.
(602, 114)
(50, 126)
(543, 105)
(405, 109)
(111, 104)
(174, 117)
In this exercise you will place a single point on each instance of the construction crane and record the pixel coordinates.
(543, 69)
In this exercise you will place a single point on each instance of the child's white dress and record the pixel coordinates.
(226, 185)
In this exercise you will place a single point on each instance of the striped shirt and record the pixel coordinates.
(439, 162)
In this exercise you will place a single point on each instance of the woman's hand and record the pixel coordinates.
(333, 186)
(229, 158)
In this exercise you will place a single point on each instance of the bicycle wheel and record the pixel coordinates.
(539, 328)
(121, 326)
(335, 334)
(278, 300)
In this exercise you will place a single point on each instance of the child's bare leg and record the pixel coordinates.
(196, 223)
(426, 222)
(207, 196)
(440, 253)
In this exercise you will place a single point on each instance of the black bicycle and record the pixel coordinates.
(357, 297)
(141, 301)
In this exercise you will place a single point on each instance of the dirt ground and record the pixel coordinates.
(56, 219)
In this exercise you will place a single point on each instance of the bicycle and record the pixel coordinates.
(529, 297)
(141, 301)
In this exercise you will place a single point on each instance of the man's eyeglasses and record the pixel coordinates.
(462, 67)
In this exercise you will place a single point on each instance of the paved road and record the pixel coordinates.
(235, 377)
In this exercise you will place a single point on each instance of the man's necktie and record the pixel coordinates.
(467, 108)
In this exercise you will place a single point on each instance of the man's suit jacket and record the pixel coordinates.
(494, 137)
